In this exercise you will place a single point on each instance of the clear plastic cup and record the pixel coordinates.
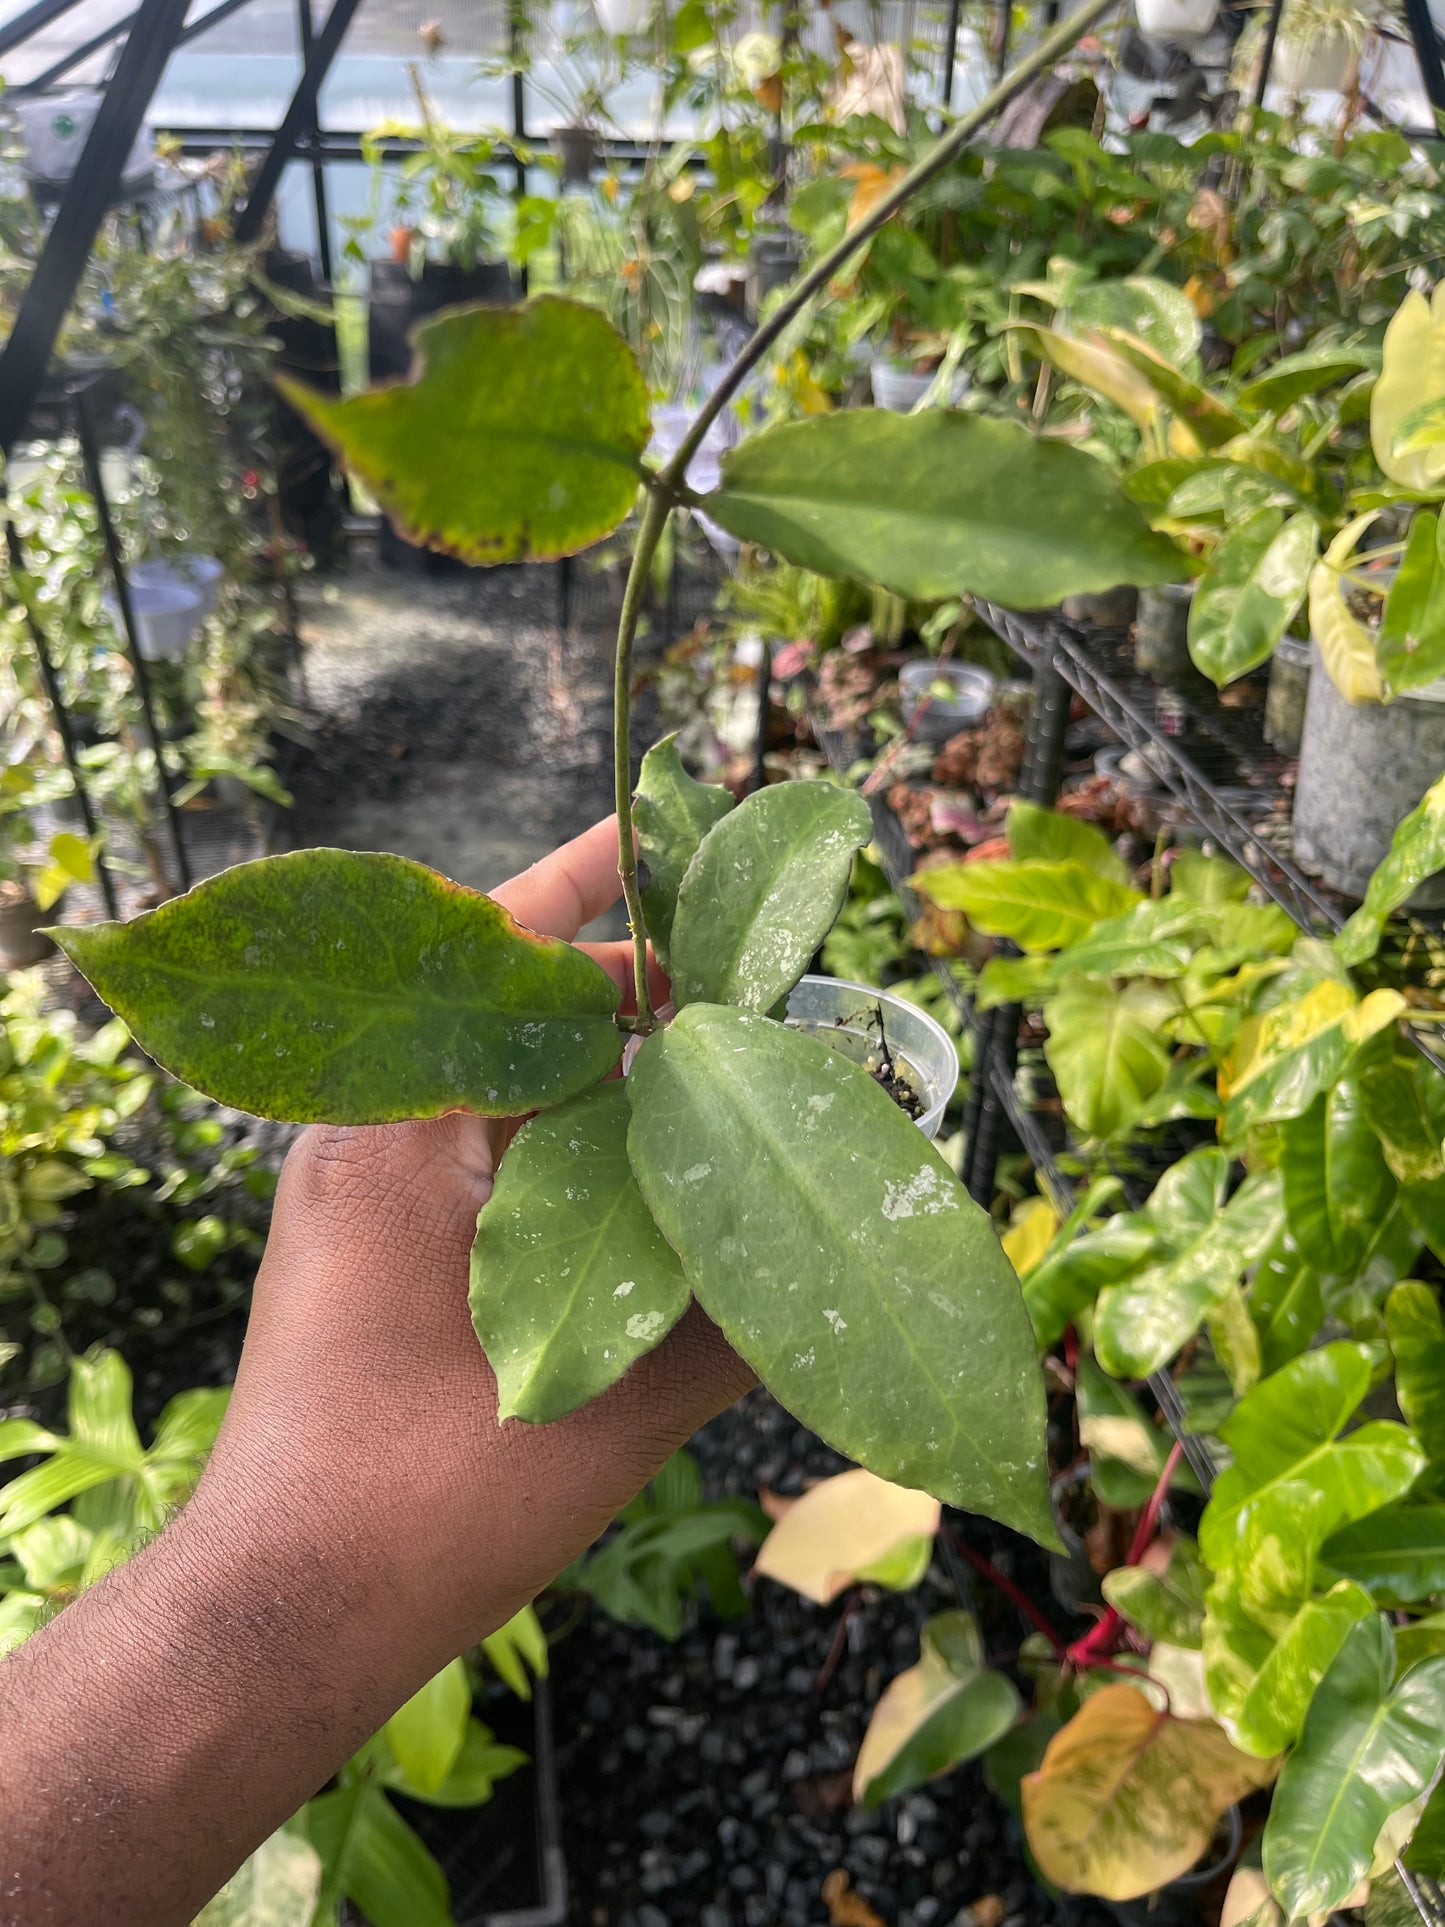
(855, 1018)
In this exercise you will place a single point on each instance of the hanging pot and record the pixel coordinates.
(576, 148)
(1364, 766)
(1177, 20)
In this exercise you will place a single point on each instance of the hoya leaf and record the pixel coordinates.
(1144, 1320)
(939, 504)
(1412, 374)
(1346, 646)
(1288, 1428)
(842, 1527)
(948, 1708)
(1043, 904)
(673, 814)
(1164, 1598)
(519, 432)
(842, 1258)
(571, 1279)
(426, 1734)
(331, 986)
(1397, 1554)
(1417, 851)
(1411, 646)
(277, 1887)
(1337, 1185)
(1290, 378)
(1052, 836)
(1369, 1747)
(1417, 1339)
(1104, 1051)
(1250, 592)
(1128, 1797)
(762, 891)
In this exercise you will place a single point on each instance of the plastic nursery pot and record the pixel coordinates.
(21, 944)
(856, 1019)
(1178, 1903)
(576, 148)
(944, 715)
(1289, 688)
(1177, 20)
(1109, 609)
(201, 573)
(167, 615)
(1161, 630)
(1362, 767)
(899, 387)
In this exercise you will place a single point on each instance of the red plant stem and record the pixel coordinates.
(840, 1640)
(1097, 1644)
(1012, 1593)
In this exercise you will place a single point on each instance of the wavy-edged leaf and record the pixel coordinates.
(673, 813)
(939, 504)
(339, 987)
(1417, 851)
(1337, 1185)
(1128, 1797)
(843, 1528)
(1412, 374)
(948, 1708)
(571, 1279)
(1346, 646)
(1288, 1429)
(842, 1258)
(1043, 904)
(762, 891)
(1368, 1748)
(1104, 1051)
(1249, 593)
(1410, 646)
(519, 431)
(1163, 1596)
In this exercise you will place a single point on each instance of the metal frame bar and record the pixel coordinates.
(1271, 35)
(950, 52)
(47, 300)
(1427, 52)
(34, 19)
(78, 55)
(311, 140)
(299, 115)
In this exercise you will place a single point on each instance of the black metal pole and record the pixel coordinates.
(313, 142)
(1271, 35)
(1427, 51)
(61, 717)
(1005, 34)
(77, 55)
(950, 50)
(90, 456)
(765, 716)
(46, 301)
(300, 115)
(17, 31)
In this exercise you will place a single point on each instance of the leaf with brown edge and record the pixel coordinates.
(519, 431)
(1128, 1797)
(342, 987)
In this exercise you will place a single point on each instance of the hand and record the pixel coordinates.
(363, 1519)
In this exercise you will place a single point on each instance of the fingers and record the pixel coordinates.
(568, 888)
(616, 959)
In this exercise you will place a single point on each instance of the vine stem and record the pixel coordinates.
(1096, 1646)
(668, 487)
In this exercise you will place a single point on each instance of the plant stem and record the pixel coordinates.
(1014, 1594)
(654, 521)
(1096, 1646)
(1049, 49)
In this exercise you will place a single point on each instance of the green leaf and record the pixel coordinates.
(1267, 1641)
(1167, 1605)
(1052, 836)
(1417, 851)
(519, 432)
(1141, 1322)
(1412, 374)
(1126, 1452)
(1152, 311)
(571, 1279)
(1041, 905)
(1069, 1281)
(515, 1648)
(1211, 880)
(939, 504)
(1304, 1049)
(277, 1887)
(1405, 1103)
(426, 1734)
(1250, 592)
(1368, 1749)
(1410, 649)
(1153, 939)
(476, 1770)
(762, 891)
(1346, 645)
(1397, 1554)
(1289, 379)
(948, 1708)
(842, 1258)
(1104, 1051)
(1337, 1185)
(1288, 1428)
(337, 987)
(673, 814)
(1209, 419)
(1284, 1302)
(1417, 1339)
(373, 1858)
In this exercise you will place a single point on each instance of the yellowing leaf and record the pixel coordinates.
(870, 184)
(1412, 373)
(1030, 1234)
(840, 1529)
(1096, 366)
(948, 1708)
(1128, 1797)
(1346, 645)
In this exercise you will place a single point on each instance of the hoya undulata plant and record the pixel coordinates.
(741, 1162)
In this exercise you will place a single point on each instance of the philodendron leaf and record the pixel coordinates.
(1052, 836)
(426, 1733)
(571, 1279)
(948, 1708)
(374, 1859)
(1163, 1596)
(1126, 1453)
(1285, 1303)
(1346, 646)
(845, 1527)
(331, 986)
(1417, 851)
(762, 891)
(1267, 1640)
(1417, 1339)
(1396, 1554)
(1405, 1103)
(1411, 374)
(1369, 1747)
(842, 1258)
(277, 1887)
(519, 433)
(1128, 1797)
(1301, 1049)
(1104, 1051)
(1411, 645)
(1042, 903)
(1072, 1278)
(1250, 592)
(1337, 1185)
(673, 814)
(939, 504)
(1288, 1428)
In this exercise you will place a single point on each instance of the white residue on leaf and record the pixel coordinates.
(805, 1361)
(645, 1324)
(695, 1173)
(207, 1022)
(837, 1321)
(927, 1191)
(626, 1288)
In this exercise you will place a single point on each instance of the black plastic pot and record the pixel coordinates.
(576, 148)
(1178, 1904)
(396, 303)
(308, 496)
